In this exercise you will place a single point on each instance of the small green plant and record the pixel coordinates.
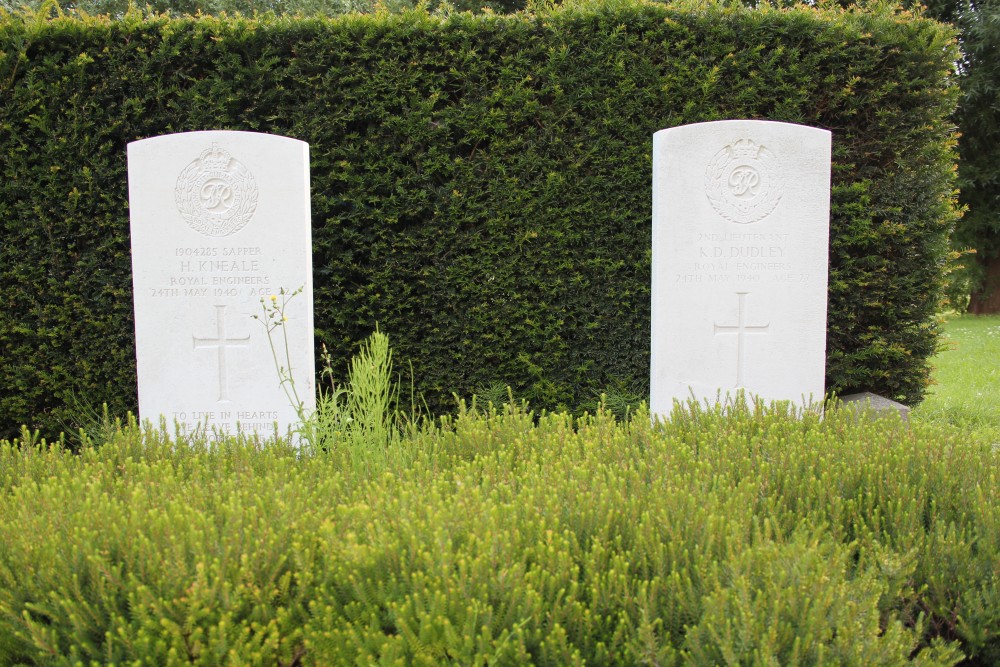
(274, 318)
(495, 393)
(89, 423)
(358, 420)
(621, 398)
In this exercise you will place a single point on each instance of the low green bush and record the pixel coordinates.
(507, 538)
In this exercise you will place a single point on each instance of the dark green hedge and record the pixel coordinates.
(481, 185)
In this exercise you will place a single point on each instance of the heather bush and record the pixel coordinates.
(506, 537)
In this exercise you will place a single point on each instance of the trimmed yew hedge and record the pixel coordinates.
(481, 184)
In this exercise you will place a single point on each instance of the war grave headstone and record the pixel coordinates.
(219, 221)
(741, 214)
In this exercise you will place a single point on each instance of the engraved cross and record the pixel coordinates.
(741, 328)
(221, 343)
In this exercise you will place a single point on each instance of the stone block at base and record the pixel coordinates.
(879, 404)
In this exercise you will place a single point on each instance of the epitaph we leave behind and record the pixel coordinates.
(220, 220)
(741, 224)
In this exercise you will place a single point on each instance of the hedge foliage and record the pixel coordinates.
(752, 538)
(481, 184)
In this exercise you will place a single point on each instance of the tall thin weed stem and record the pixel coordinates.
(357, 422)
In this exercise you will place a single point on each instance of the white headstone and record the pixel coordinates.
(219, 221)
(741, 217)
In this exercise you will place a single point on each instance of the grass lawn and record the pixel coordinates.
(966, 390)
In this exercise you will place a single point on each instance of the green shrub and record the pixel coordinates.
(753, 536)
(788, 604)
(481, 184)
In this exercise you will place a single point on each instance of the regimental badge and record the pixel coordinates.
(744, 182)
(216, 193)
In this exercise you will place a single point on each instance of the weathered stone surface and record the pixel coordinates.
(220, 220)
(876, 403)
(741, 215)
